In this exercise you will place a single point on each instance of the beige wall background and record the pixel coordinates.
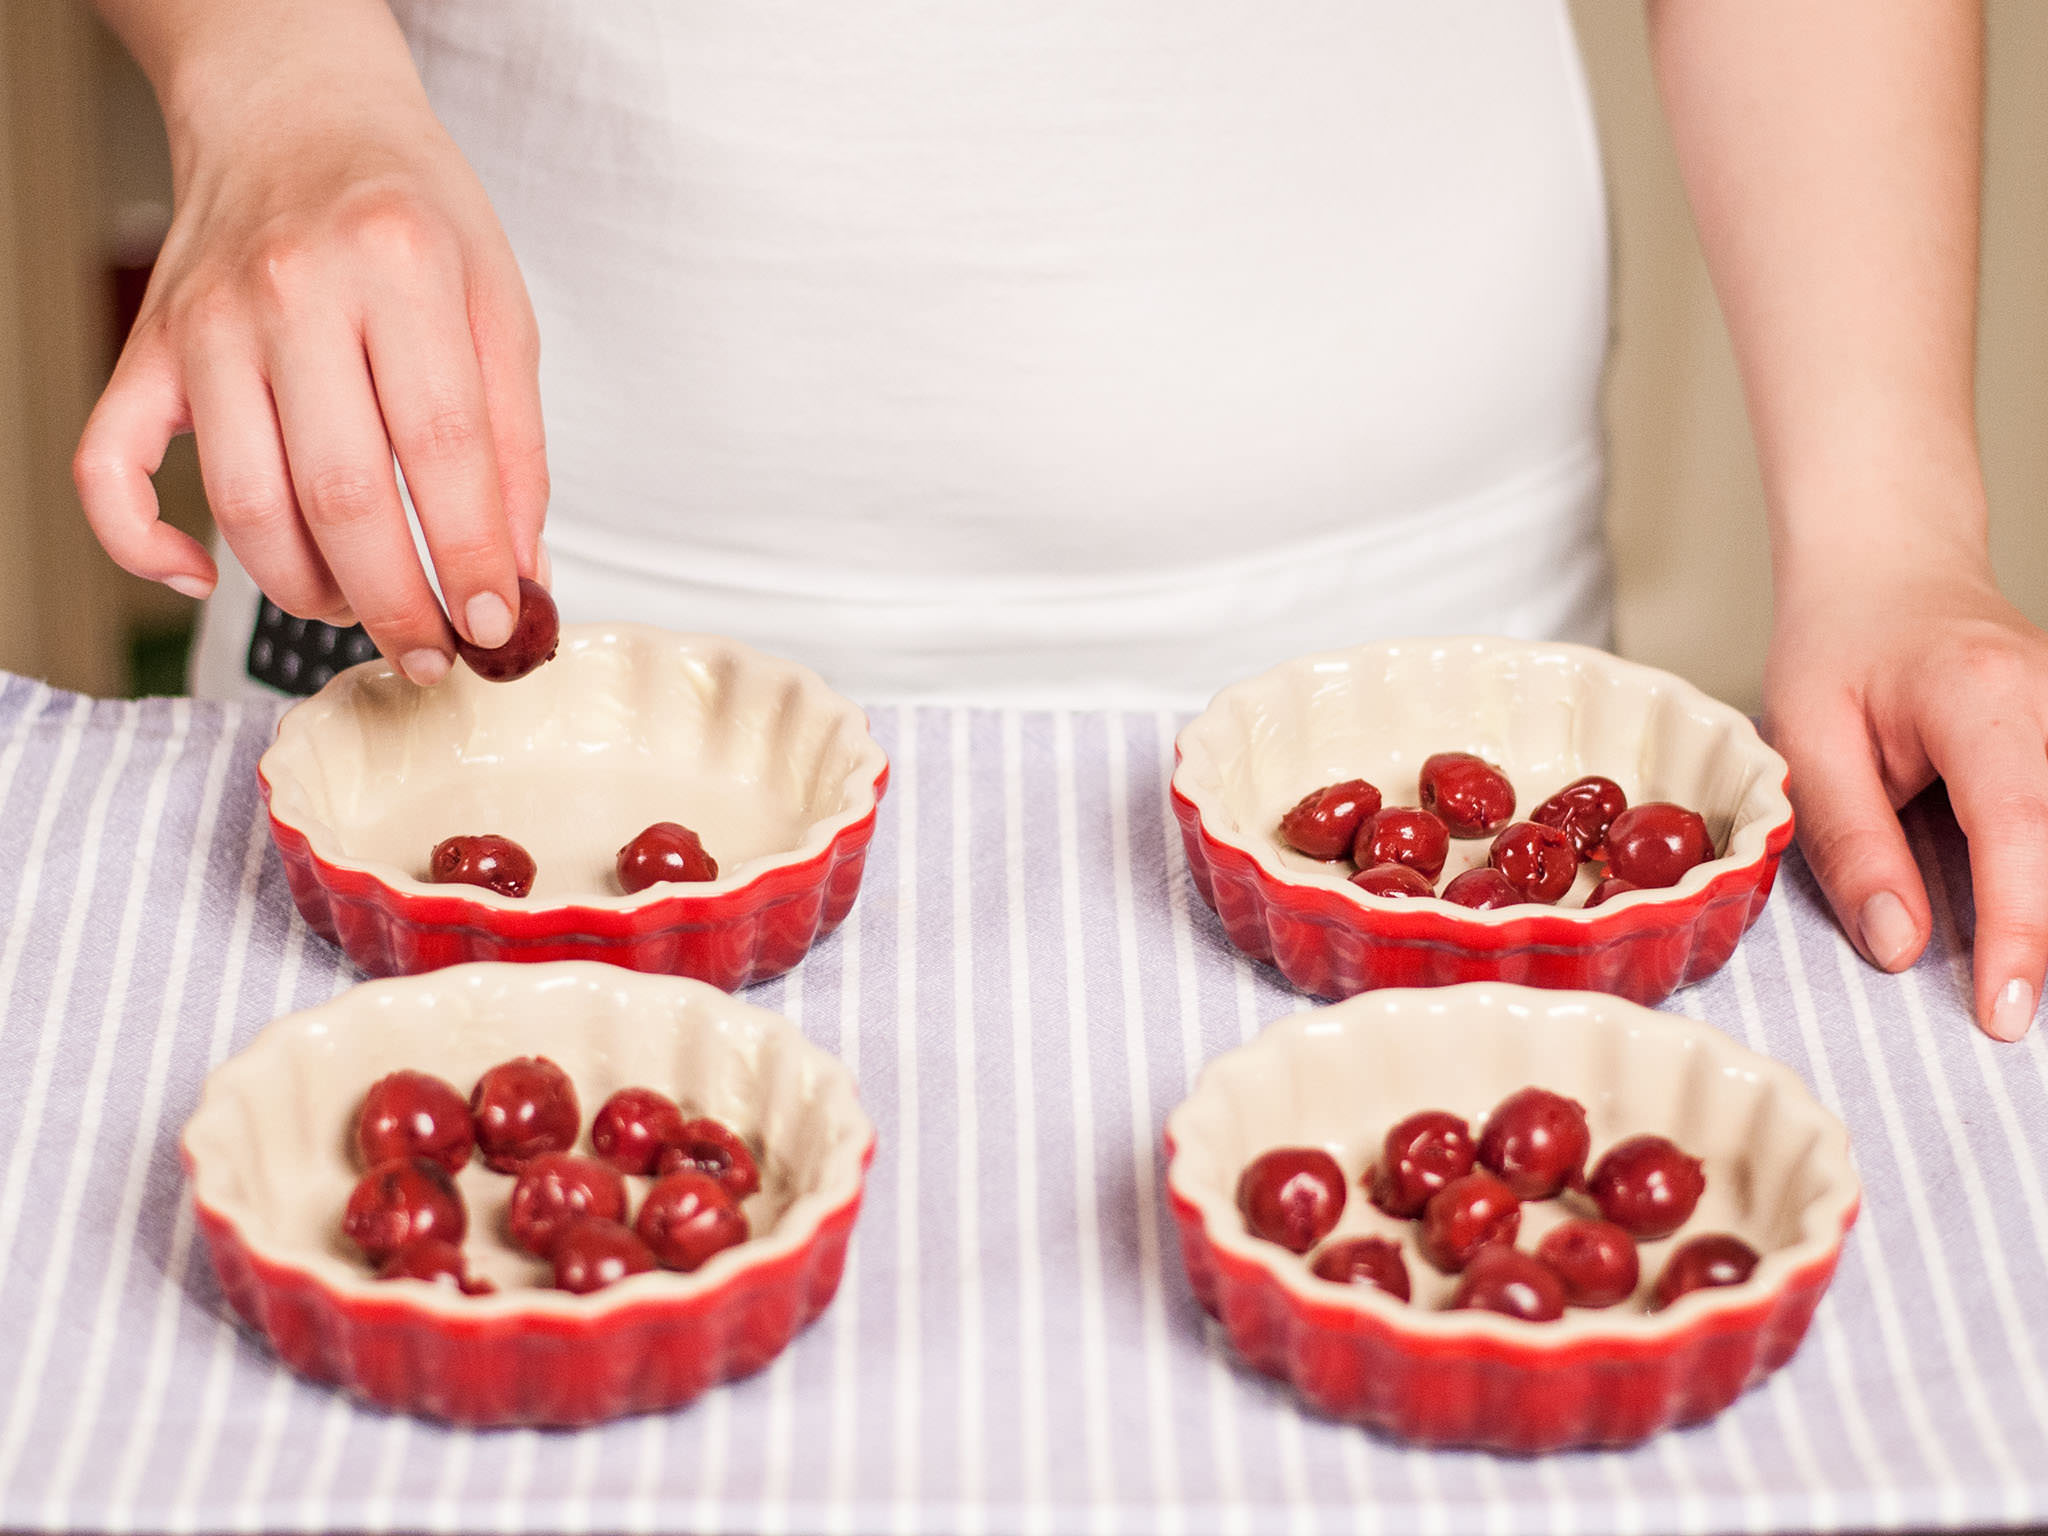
(78, 148)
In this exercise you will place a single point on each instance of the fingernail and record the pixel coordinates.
(425, 667)
(197, 588)
(2012, 1011)
(544, 568)
(1888, 932)
(490, 621)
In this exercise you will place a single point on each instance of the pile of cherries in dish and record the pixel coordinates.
(416, 1131)
(1467, 1194)
(665, 851)
(1400, 851)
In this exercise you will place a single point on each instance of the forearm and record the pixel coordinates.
(1831, 150)
(221, 67)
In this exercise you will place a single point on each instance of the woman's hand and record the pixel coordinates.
(1887, 669)
(334, 289)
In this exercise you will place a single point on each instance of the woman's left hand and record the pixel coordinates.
(1890, 669)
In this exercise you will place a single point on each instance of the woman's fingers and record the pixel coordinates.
(508, 357)
(1849, 831)
(341, 472)
(249, 487)
(423, 360)
(142, 409)
(1990, 751)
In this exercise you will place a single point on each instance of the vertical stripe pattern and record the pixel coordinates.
(1027, 986)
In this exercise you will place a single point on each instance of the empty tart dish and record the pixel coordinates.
(1545, 716)
(272, 1156)
(534, 791)
(1773, 1181)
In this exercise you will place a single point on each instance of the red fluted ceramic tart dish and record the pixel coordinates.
(1777, 1175)
(272, 1161)
(626, 729)
(1545, 715)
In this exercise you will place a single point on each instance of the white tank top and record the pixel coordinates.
(1052, 350)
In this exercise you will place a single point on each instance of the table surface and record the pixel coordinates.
(1024, 989)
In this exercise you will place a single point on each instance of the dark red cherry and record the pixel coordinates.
(398, 1203)
(1472, 796)
(1594, 1260)
(1396, 880)
(1536, 860)
(687, 1217)
(634, 1127)
(414, 1114)
(1510, 1282)
(709, 1146)
(1537, 1142)
(1582, 811)
(1703, 1262)
(1291, 1196)
(522, 1108)
(593, 1253)
(1607, 890)
(1652, 845)
(1646, 1186)
(554, 1191)
(1374, 1261)
(535, 630)
(665, 851)
(493, 862)
(438, 1262)
(1401, 834)
(1324, 823)
(1481, 889)
(1465, 1216)
(1418, 1157)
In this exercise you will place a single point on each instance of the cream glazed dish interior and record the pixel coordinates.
(270, 1148)
(627, 726)
(1777, 1164)
(1546, 714)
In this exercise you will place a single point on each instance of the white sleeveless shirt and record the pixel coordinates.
(1085, 351)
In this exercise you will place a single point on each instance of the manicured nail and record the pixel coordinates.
(2012, 1012)
(544, 568)
(490, 621)
(1888, 932)
(197, 588)
(425, 667)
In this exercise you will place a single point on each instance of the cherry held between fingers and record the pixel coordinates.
(1536, 860)
(486, 859)
(1473, 797)
(1703, 1262)
(593, 1253)
(1655, 843)
(634, 1127)
(1418, 1157)
(1583, 810)
(1402, 835)
(1324, 823)
(522, 1108)
(1465, 1216)
(398, 1203)
(1396, 880)
(1595, 1261)
(1505, 1280)
(535, 632)
(1373, 1261)
(1646, 1186)
(665, 851)
(687, 1217)
(1291, 1196)
(414, 1114)
(1482, 889)
(556, 1190)
(712, 1147)
(1537, 1142)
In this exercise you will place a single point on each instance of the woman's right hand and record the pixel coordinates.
(335, 289)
